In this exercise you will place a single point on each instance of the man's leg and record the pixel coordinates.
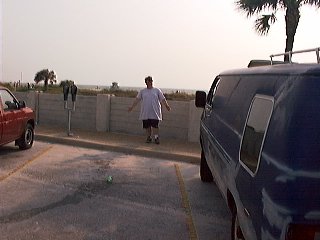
(147, 127)
(155, 130)
(148, 133)
(156, 135)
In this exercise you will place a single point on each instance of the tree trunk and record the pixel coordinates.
(292, 20)
(45, 85)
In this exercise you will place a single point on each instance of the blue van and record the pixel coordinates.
(260, 140)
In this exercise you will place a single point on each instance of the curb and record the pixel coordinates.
(119, 149)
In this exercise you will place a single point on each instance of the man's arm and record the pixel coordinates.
(135, 102)
(165, 103)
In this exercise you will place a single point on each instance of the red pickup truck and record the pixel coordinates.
(16, 121)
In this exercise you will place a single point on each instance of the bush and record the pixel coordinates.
(56, 89)
(179, 96)
(7, 85)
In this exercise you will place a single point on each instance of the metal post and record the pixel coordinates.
(290, 57)
(69, 123)
(37, 107)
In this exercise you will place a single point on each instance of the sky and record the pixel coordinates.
(182, 44)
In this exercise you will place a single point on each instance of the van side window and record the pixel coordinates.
(254, 132)
(213, 90)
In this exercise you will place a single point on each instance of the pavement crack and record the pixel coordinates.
(84, 191)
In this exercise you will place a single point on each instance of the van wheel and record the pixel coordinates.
(27, 138)
(205, 172)
(236, 232)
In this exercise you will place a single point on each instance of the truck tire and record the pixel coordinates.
(205, 172)
(27, 138)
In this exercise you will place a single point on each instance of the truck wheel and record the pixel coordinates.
(205, 172)
(236, 232)
(26, 140)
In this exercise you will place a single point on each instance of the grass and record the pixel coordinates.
(56, 89)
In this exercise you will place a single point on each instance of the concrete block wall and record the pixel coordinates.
(110, 114)
(194, 122)
(121, 120)
(85, 114)
(103, 112)
(50, 110)
(174, 124)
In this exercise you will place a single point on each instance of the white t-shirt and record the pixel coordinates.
(151, 99)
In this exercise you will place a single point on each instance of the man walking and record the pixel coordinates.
(151, 99)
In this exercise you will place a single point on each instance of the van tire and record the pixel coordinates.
(205, 172)
(27, 138)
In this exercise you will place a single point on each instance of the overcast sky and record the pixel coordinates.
(183, 44)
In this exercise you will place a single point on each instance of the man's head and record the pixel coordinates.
(148, 80)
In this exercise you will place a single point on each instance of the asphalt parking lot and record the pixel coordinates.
(55, 191)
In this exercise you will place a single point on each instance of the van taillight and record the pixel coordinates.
(303, 232)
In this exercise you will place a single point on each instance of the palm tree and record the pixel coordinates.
(45, 75)
(292, 15)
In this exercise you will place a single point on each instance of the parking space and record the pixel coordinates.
(13, 159)
(60, 192)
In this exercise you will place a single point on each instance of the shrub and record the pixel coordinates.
(118, 92)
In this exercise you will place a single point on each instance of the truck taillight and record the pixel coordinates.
(303, 232)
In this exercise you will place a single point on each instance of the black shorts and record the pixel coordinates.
(150, 123)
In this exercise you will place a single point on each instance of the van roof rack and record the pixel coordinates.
(290, 53)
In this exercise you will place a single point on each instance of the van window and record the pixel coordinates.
(254, 132)
(213, 90)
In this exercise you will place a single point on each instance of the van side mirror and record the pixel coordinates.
(201, 98)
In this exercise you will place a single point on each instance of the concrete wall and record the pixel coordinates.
(110, 114)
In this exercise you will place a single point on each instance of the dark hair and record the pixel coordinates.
(149, 78)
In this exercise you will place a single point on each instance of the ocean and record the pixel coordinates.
(164, 90)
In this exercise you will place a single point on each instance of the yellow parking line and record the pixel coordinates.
(25, 164)
(186, 204)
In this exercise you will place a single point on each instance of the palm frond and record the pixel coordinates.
(252, 7)
(263, 23)
(312, 2)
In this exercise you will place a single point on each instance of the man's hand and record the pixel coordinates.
(135, 102)
(164, 102)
